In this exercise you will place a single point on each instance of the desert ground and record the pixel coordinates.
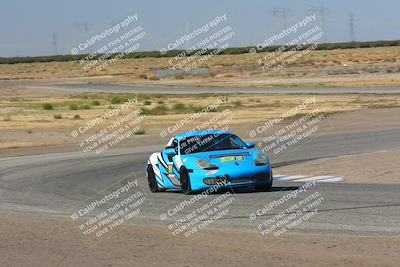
(362, 67)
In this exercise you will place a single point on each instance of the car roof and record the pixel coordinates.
(199, 133)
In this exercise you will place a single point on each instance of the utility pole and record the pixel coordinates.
(55, 44)
(351, 21)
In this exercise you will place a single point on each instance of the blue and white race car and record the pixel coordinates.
(196, 161)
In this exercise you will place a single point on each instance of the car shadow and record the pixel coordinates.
(242, 190)
(246, 190)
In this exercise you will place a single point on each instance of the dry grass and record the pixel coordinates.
(364, 66)
(25, 123)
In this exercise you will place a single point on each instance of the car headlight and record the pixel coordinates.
(204, 164)
(261, 159)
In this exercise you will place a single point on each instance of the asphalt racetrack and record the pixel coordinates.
(53, 183)
(115, 88)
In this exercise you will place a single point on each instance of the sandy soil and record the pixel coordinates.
(39, 241)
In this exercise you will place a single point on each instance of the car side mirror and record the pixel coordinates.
(250, 144)
(170, 152)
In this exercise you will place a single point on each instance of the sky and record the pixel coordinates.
(29, 27)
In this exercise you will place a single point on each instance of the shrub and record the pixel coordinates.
(47, 106)
(179, 106)
(85, 107)
(57, 116)
(73, 106)
(147, 102)
(140, 132)
(116, 100)
(159, 110)
(96, 103)
(144, 111)
(160, 102)
(237, 103)
(77, 117)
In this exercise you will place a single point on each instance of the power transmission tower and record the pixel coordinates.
(276, 11)
(351, 21)
(189, 27)
(320, 10)
(281, 12)
(84, 26)
(55, 44)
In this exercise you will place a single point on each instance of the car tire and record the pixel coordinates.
(151, 178)
(185, 181)
(265, 187)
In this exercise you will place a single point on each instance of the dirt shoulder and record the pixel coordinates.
(371, 168)
(42, 241)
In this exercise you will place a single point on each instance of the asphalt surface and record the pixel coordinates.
(113, 88)
(53, 183)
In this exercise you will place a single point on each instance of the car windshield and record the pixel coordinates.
(210, 142)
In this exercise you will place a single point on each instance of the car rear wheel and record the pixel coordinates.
(185, 181)
(267, 186)
(151, 178)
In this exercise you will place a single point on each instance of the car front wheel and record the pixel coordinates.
(185, 181)
(267, 186)
(151, 178)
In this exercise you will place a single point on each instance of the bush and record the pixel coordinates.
(96, 103)
(47, 106)
(144, 111)
(159, 110)
(7, 118)
(237, 103)
(147, 102)
(179, 106)
(85, 107)
(73, 106)
(121, 98)
(160, 102)
(77, 117)
(57, 116)
(140, 132)
(115, 100)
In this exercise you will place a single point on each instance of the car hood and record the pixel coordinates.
(226, 157)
